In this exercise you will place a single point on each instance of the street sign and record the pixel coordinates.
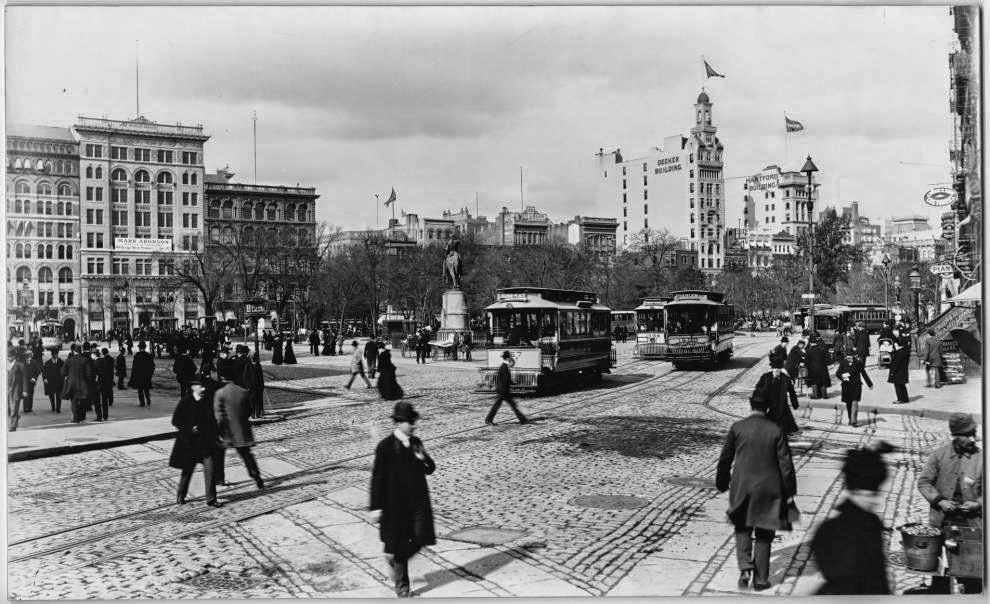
(254, 310)
(807, 296)
(942, 268)
(941, 196)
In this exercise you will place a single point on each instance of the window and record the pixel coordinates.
(692, 218)
(190, 221)
(65, 275)
(290, 212)
(119, 218)
(142, 219)
(624, 198)
(166, 267)
(120, 266)
(118, 175)
(625, 227)
(89, 194)
(98, 193)
(118, 195)
(164, 157)
(94, 151)
(646, 223)
(691, 188)
(646, 194)
(270, 212)
(624, 186)
(692, 233)
(185, 178)
(246, 211)
(142, 175)
(302, 213)
(624, 213)
(64, 190)
(164, 178)
(142, 267)
(118, 152)
(692, 202)
(142, 196)
(142, 154)
(65, 298)
(165, 219)
(228, 209)
(60, 230)
(189, 157)
(646, 209)
(164, 198)
(185, 198)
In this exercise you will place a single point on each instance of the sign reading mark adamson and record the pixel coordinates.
(130, 244)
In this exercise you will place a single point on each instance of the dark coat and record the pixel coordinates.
(238, 365)
(142, 370)
(779, 352)
(899, 366)
(277, 351)
(104, 373)
(121, 366)
(388, 387)
(314, 338)
(80, 378)
(184, 368)
(290, 356)
(849, 551)
(503, 379)
(371, 350)
(254, 382)
(852, 390)
(780, 397)
(794, 359)
(34, 369)
(930, 351)
(817, 364)
(399, 490)
(18, 381)
(192, 446)
(861, 342)
(756, 468)
(232, 408)
(51, 373)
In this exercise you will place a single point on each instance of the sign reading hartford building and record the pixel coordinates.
(131, 244)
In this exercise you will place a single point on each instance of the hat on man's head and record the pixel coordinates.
(404, 412)
(784, 340)
(961, 424)
(506, 354)
(759, 399)
(776, 361)
(864, 469)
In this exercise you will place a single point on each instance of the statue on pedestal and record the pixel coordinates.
(452, 264)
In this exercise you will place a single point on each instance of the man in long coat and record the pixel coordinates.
(142, 370)
(34, 367)
(314, 343)
(80, 377)
(756, 468)
(254, 382)
(185, 370)
(105, 378)
(503, 391)
(51, 375)
(930, 352)
(371, 349)
(898, 374)
(779, 392)
(861, 342)
(232, 408)
(196, 442)
(817, 362)
(794, 359)
(17, 384)
(400, 498)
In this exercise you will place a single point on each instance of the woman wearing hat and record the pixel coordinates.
(388, 387)
(400, 498)
(852, 374)
(848, 547)
(196, 442)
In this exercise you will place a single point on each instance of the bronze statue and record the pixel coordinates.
(452, 264)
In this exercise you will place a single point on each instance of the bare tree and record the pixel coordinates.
(208, 271)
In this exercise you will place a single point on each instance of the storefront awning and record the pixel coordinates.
(973, 293)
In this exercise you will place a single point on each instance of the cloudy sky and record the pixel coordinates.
(445, 103)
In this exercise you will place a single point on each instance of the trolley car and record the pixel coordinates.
(650, 327)
(550, 333)
(623, 323)
(698, 327)
(51, 334)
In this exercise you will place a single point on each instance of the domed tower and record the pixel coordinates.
(703, 127)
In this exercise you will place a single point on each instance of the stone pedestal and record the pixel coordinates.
(455, 316)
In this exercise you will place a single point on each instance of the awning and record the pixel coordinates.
(973, 293)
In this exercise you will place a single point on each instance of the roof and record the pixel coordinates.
(214, 178)
(47, 132)
(543, 303)
(703, 97)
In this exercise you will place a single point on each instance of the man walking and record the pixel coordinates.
(17, 384)
(817, 364)
(185, 370)
(778, 389)
(371, 357)
(952, 483)
(33, 367)
(503, 391)
(898, 373)
(930, 352)
(232, 408)
(861, 342)
(400, 497)
(104, 376)
(314, 343)
(794, 359)
(756, 468)
(51, 375)
(79, 373)
(422, 347)
(121, 367)
(142, 370)
(357, 366)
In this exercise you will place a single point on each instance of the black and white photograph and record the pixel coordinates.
(324, 301)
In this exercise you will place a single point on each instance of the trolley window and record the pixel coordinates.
(687, 321)
(522, 327)
(649, 320)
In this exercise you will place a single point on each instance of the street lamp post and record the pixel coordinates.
(897, 290)
(915, 284)
(810, 168)
(886, 283)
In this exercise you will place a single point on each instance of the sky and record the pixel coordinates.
(446, 104)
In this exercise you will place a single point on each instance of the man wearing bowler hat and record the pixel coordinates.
(952, 482)
(503, 390)
(400, 498)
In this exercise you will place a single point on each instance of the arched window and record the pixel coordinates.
(228, 209)
(142, 176)
(45, 275)
(23, 188)
(118, 175)
(214, 209)
(68, 252)
(164, 178)
(41, 251)
(89, 171)
(246, 210)
(24, 275)
(39, 165)
(99, 172)
(193, 179)
(49, 251)
(48, 166)
(290, 212)
(270, 212)
(44, 189)
(185, 178)
(49, 208)
(61, 252)
(228, 235)
(247, 235)
(302, 213)
(41, 207)
(60, 208)
(58, 166)
(17, 163)
(259, 211)
(19, 250)
(215, 234)
(65, 190)
(18, 206)
(68, 208)
(65, 275)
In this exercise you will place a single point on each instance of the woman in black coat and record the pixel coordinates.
(852, 374)
(794, 359)
(197, 439)
(817, 363)
(898, 375)
(277, 351)
(120, 369)
(388, 387)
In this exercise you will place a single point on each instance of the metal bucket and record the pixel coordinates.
(921, 552)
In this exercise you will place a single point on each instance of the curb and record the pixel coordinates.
(904, 410)
(112, 443)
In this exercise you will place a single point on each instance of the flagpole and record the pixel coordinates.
(787, 152)
(378, 220)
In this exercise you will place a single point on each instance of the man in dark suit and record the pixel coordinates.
(779, 391)
(17, 384)
(314, 343)
(503, 390)
(792, 365)
(371, 357)
(105, 377)
(80, 375)
(400, 497)
(861, 342)
(185, 370)
(756, 468)
(51, 375)
(142, 370)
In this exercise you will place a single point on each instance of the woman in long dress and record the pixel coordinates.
(388, 387)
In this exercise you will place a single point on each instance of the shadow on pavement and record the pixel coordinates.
(479, 568)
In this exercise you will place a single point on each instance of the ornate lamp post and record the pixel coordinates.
(915, 284)
(810, 168)
(897, 290)
(886, 282)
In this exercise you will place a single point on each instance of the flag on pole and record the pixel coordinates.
(711, 73)
(792, 125)
(391, 198)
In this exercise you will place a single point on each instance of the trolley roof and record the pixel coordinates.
(510, 298)
(697, 297)
(654, 302)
